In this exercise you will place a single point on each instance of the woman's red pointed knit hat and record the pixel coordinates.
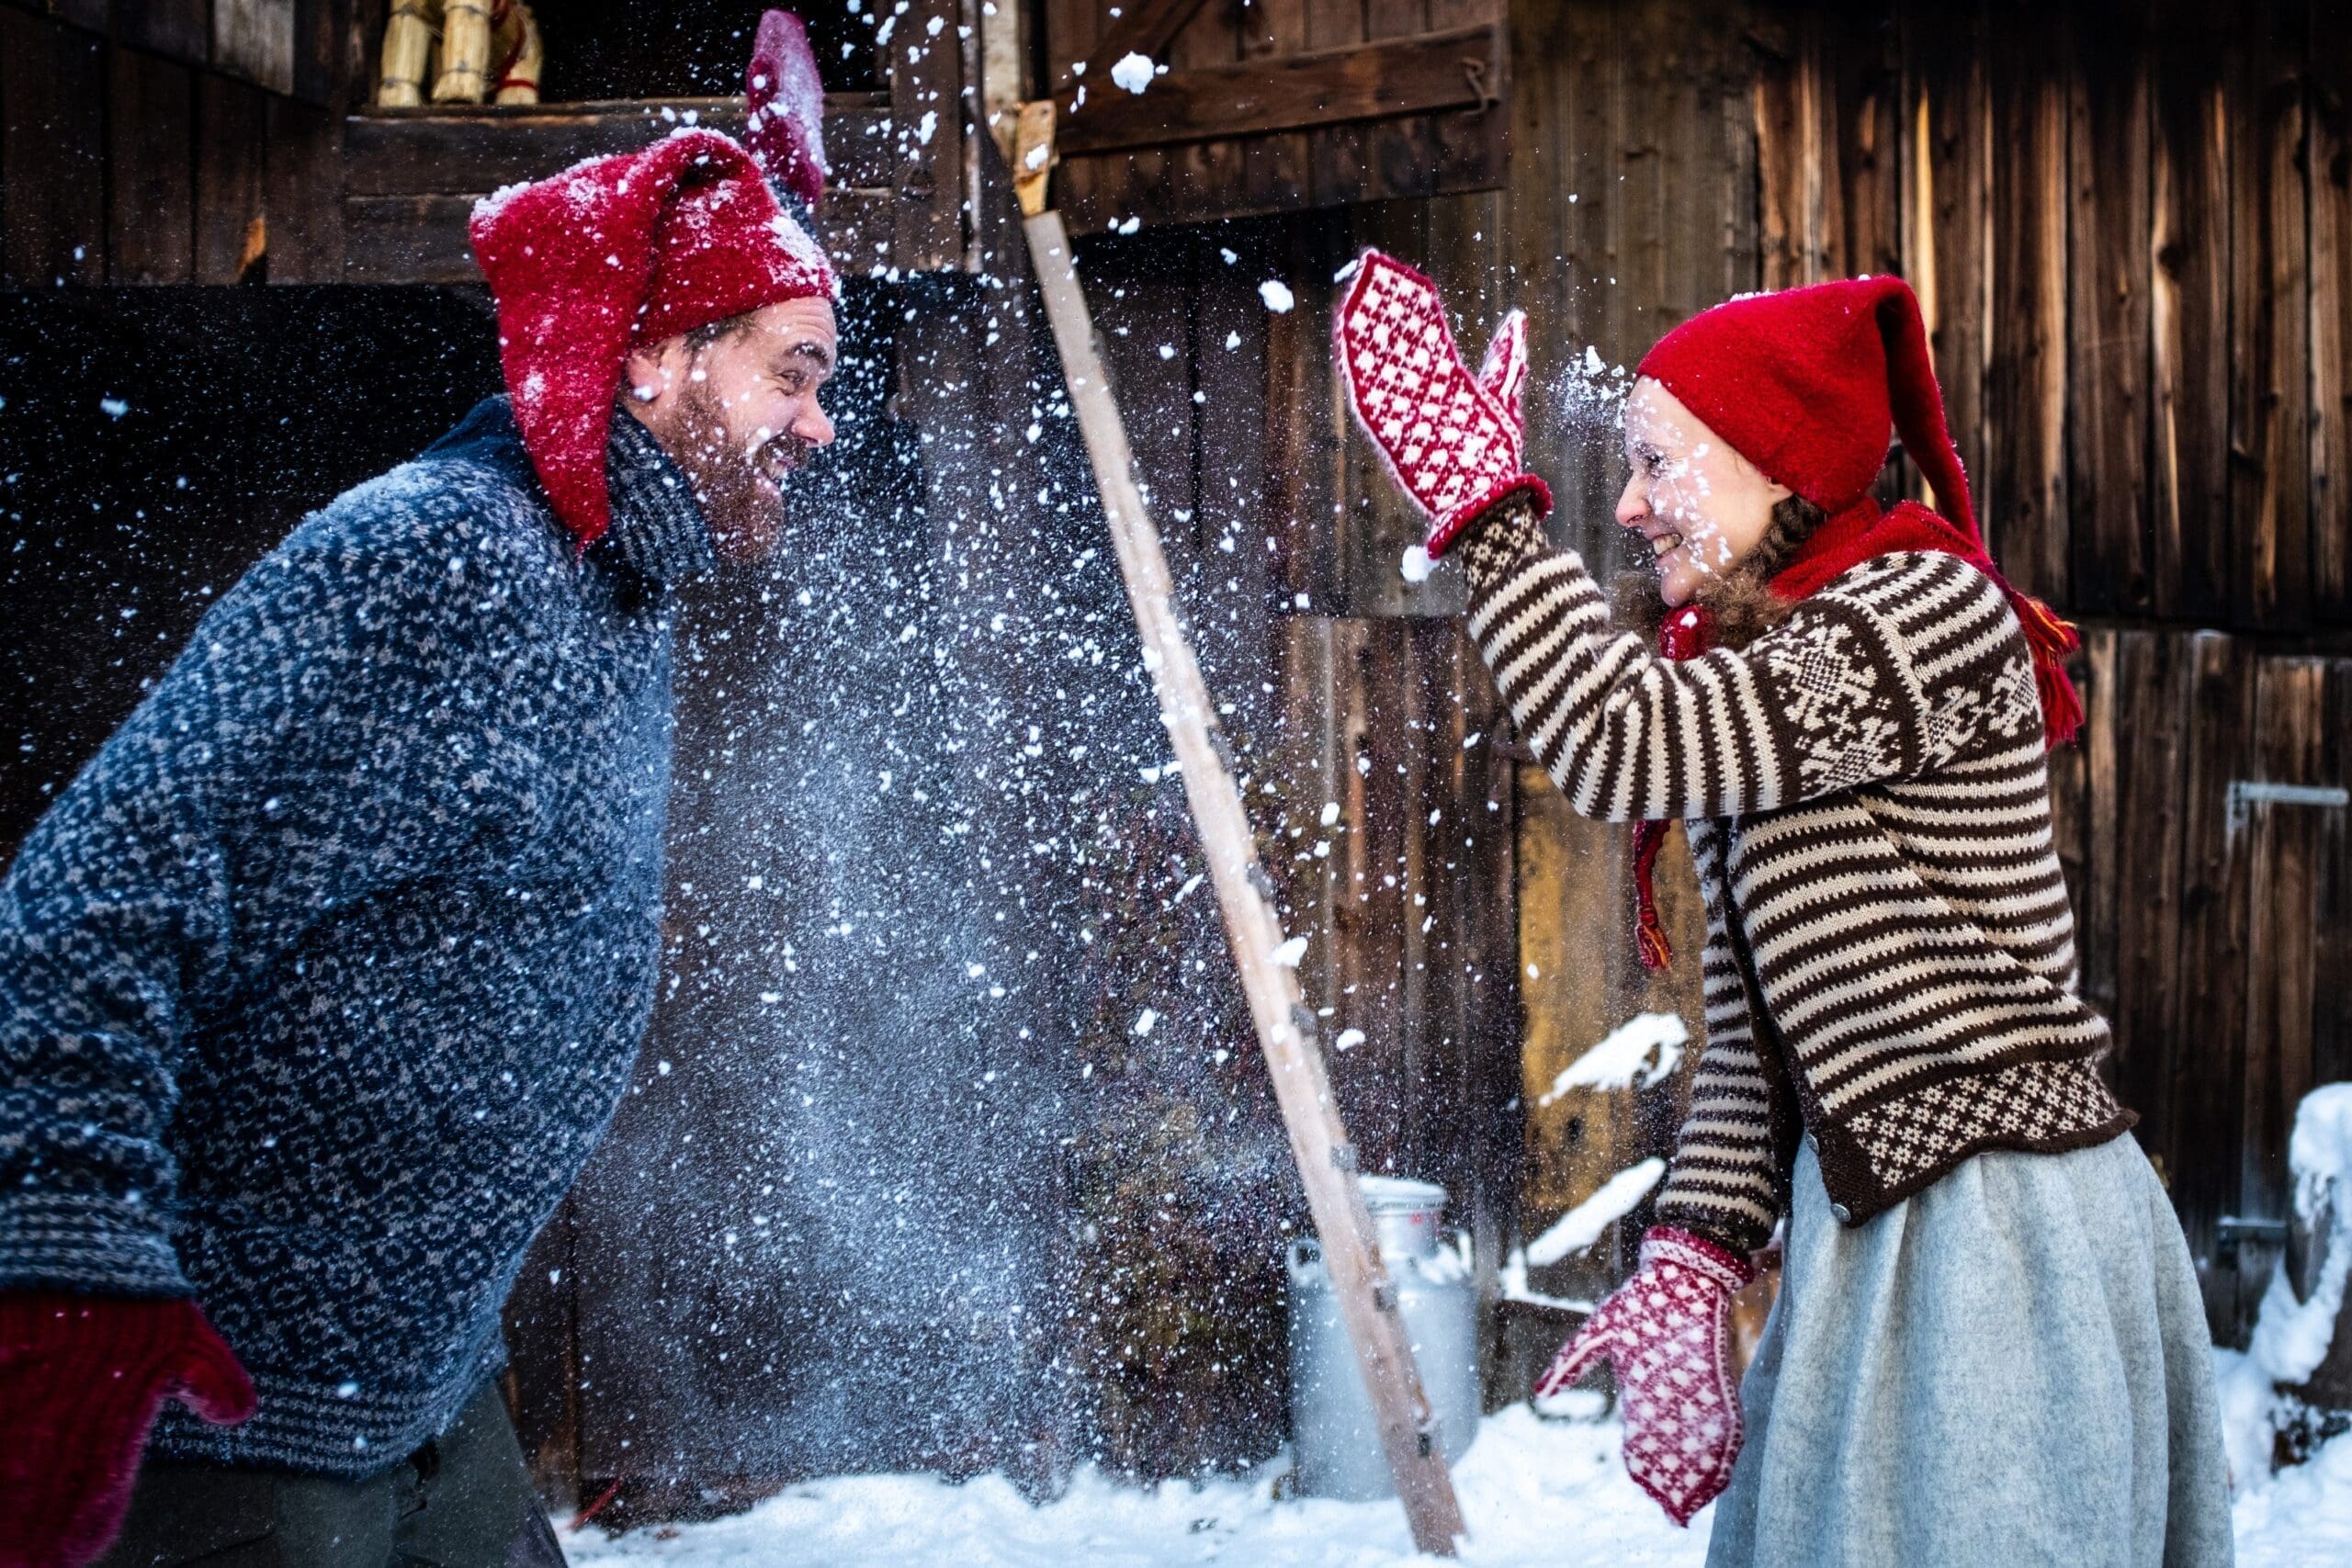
(1805, 384)
(613, 253)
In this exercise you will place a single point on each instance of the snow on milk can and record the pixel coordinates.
(1330, 1416)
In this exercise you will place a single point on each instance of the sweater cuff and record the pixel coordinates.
(1667, 1244)
(88, 1243)
(1500, 538)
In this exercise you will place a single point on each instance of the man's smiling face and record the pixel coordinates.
(736, 407)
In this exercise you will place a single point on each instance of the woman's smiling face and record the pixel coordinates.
(1700, 505)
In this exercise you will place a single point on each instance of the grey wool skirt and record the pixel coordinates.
(2009, 1369)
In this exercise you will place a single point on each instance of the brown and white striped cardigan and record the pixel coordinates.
(1890, 960)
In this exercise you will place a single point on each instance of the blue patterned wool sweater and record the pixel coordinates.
(318, 984)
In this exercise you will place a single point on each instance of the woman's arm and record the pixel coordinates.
(1728, 1180)
(1834, 697)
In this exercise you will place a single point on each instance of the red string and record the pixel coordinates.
(580, 1522)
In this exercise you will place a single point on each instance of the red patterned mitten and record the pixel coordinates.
(1452, 439)
(1668, 1330)
(80, 1380)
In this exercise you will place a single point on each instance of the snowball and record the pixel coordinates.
(1277, 296)
(1348, 1040)
(1133, 72)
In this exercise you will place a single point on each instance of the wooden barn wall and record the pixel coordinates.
(172, 143)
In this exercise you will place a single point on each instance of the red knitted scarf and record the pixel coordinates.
(1862, 532)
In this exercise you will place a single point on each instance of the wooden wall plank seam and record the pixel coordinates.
(2328, 171)
(2023, 503)
(2269, 516)
(2107, 324)
(2189, 323)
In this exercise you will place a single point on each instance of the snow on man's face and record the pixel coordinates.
(738, 412)
(1700, 505)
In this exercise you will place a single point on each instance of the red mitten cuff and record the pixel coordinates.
(1726, 1268)
(81, 1378)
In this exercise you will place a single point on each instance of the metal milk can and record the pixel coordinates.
(1337, 1445)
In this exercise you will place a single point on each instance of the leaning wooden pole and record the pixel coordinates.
(1286, 1027)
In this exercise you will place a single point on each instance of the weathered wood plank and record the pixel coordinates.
(927, 106)
(422, 239)
(2190, 323)
(1368, 906)
(53, 151)
(476, 149)
(2328, 162)
(1788, 153)
(1306, 429)
(302, 177)
(151, 174)
(177, 30)
(331, 38)
(1863, 64)
(2205, 1082)
(2332, 899)
(1948, 211)
(1146, 28)
(2269, 301)
(2107, 324)
(2282, 843)
(2022, 503)
(1362, 82)
(254, 40)
(231, 152)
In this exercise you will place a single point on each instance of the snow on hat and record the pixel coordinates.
(614, 254)
(1805, 383)
(786, 131)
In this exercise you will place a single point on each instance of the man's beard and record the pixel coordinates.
(741, 495)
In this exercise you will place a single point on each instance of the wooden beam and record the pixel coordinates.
(475, 149)
(1146, 29)
(1286, 1029)
(1411, 76)
(422, 238)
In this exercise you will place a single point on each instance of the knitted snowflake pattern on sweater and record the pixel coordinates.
(318, 984)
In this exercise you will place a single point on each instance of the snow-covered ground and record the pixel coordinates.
(1536, 1492)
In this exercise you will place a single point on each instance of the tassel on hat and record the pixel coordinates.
(786, 131)
(614, 254)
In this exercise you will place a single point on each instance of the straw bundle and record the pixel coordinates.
(520, 54)
(465, 52)
(408, 48)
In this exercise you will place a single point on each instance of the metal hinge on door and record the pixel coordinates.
(2246, 794)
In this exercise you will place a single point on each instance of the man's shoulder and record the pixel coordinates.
(458, 518)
